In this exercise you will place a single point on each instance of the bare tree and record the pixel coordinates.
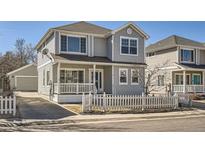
(25, 52)
(150, 76)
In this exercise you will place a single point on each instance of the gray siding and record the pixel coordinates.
(29, 71)
(100, 47)
(128, 58)
(109, 47)
(108, 79)
(127, 89)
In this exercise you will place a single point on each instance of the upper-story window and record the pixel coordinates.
(73, 44)
(187, 55)
(129, 46)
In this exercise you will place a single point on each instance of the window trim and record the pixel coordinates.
(72, 52)
(123, 83)
(196, 74)
(134, 83)
(47, 82)
(129, 38)
(44, 77)
(75, 69)
(158, 81)
(175, 74)
(188, 62)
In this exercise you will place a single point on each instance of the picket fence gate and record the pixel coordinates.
(108, 102)
(8, 105)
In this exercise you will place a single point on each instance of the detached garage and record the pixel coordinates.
(24, 78)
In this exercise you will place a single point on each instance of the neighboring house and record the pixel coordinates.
(24, 78)
(82, 57)
(182, 63)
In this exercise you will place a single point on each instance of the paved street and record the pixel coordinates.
(190, 123)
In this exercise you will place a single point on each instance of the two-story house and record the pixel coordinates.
(83, 57)
(181, 62)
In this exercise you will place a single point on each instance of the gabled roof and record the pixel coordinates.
(84, 27)
(135, 27)
(21, 68)
(88, 28)
(173, 41)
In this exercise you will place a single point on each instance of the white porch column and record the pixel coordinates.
(58, 78)
(94, 70)
(184, 81)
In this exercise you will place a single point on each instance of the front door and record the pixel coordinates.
(98, 79)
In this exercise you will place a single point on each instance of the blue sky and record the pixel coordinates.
(33, 31)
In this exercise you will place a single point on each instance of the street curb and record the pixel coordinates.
(78, 121)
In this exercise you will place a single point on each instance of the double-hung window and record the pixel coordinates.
(71, 76)
(123, 76)
(129, 46)
(160, 80)
(134, 76)
(73, 44)
(187, 55)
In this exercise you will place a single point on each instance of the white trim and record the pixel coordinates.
(113, 47)
(135, 27)
(73, 52)
(98, 63)
(102, 78)
(134, 83)
(197, 74)
(129, 38)
(92, 46)
(21, 68)
(194, 56)
(123, 69)
(48, 62)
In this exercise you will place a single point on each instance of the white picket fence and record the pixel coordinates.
(107, 102)
(8, 105)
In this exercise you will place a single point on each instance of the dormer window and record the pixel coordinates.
(187, 56)
(73, 44)
(129, 46)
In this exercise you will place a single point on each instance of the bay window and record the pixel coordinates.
(129, 46)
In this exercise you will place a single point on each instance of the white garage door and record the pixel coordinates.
(26, 83)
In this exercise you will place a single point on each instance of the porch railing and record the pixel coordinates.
(73, 88)
(189, 88)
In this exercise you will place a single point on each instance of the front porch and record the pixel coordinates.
(188, 81)
(76, 79)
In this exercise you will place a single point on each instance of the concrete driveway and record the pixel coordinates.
(41, 109)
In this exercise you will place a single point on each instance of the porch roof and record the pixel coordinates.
(191, 66)
(84, 58)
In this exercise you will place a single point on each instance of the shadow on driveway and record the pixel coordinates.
(38, 108)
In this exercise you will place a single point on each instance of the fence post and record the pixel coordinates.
(83, 102)
(90, 101)
(104, 102)
(143, 101)
(14, 105)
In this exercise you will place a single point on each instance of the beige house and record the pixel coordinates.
(82, 57)
(24, 78)
(181, 62)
